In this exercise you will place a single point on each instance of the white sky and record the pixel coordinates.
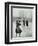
(18, 12)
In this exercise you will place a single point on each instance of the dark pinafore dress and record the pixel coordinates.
(18, 30)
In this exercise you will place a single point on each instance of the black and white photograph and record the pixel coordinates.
(22, 22)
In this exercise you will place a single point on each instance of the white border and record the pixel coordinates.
(33, 25)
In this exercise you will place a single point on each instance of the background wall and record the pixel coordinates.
(2, 22)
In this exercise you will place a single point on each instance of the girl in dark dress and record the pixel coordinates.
(18, 29)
